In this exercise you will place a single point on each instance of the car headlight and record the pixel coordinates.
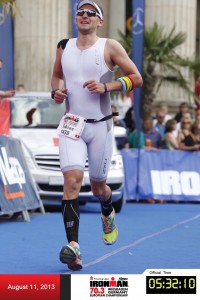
(116, 162)
(30, 163)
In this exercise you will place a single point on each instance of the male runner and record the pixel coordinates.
(85, 65)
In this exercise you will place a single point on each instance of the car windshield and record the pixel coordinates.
(39, 112)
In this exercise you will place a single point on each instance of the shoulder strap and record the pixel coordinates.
(62, 43)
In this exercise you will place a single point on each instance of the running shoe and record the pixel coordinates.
(110, 231)
(71, 256)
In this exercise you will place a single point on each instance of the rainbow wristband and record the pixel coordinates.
(128, 83)
(123, 85)
(131, 79)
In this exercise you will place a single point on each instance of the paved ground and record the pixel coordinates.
(150, 236)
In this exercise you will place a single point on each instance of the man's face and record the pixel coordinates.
(85, 23)
(147, 125)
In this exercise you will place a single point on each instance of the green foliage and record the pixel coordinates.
(161, 62)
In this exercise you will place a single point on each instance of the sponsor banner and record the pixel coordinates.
(138, 7)
(6, 48)
(4, 116)
(74, 4)
(176, 284)
(163, 174)
(130, 160)
(16, 185)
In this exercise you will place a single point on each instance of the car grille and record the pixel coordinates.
(84, 188)
(50, 162)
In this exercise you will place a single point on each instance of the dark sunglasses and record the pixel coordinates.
(90, 13)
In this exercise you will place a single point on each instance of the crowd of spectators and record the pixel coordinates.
(163, 131)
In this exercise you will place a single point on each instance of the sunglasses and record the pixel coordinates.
(184, 123)
(90, 13)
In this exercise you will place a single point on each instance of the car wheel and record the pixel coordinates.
(118, 205)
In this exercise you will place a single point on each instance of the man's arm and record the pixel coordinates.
(115, 55)
(8, 93)
(57, 74)
(57, 78)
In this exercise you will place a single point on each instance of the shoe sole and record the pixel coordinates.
(67, 256)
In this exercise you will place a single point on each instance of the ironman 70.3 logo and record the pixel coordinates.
(108, 287)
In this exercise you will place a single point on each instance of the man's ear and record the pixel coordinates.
(100, 23)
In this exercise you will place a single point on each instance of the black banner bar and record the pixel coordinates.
(65, 287)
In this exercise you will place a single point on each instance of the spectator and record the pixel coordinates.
(164, 109)
(151, 134)
(122, 141)
(192, 140)
(183, 109)
(7, 93)
(130, 120)
(160, 123)
(197, 119)
(178, 125)
(197, 94)
(20, 88)
(185, 128)
(171, 142)
(133, 139)
(124, 102)
(117, 121)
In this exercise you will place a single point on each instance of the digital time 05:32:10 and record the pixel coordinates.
(171, 285)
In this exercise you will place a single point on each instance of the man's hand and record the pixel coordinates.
(8, 93)
(94, 86)
(60, 96)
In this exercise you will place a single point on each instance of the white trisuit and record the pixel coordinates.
(97, 138)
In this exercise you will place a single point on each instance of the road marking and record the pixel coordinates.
(137, 242)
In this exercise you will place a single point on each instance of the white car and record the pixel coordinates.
(34, 119)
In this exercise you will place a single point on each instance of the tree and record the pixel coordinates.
(161, 62)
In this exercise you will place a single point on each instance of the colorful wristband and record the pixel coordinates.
(131, 79)
(123, 85)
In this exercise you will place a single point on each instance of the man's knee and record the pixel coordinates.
(101, 195)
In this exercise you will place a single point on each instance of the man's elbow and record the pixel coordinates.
(139, 81)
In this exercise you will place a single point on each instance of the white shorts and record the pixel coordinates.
(96, 143)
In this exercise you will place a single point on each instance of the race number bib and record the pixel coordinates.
(71, 126)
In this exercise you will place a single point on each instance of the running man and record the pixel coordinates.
(85, 65)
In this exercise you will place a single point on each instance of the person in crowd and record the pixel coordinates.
(116, 120)
(170, 140)
(160, 123)
(192, 141)
(183, 109)
(6, 93)
(122, 141)
(124, 102)
(133, 139)
(85, 64)
(197, 119)
(130, 120)
(152, 137)
(164, 109)
(20, 88)
(197, 94)
(185, 128)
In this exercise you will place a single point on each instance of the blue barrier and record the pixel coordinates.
(162, 174)
(17, 189)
